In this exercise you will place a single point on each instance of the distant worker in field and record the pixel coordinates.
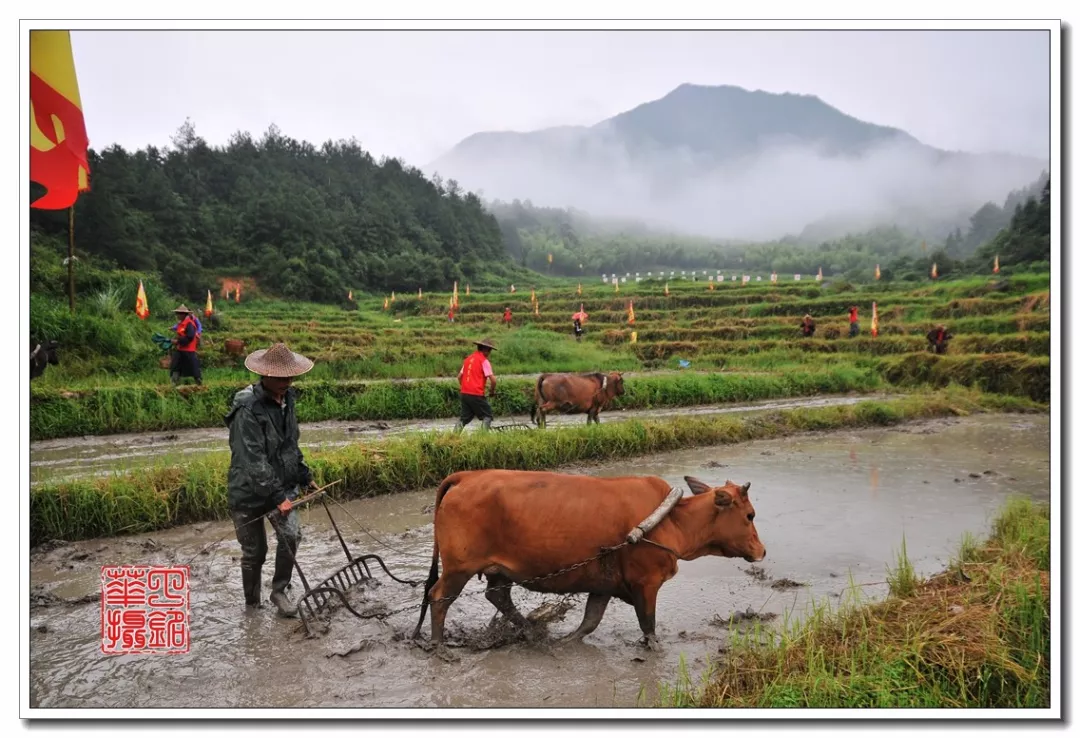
(939, 338)
(267, 471)
(474, 376)
(451, 314)
(853, 318)
(185, 359)
(807, 326)
(578, 330)
(507, 317)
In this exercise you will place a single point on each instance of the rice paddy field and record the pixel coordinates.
(692, 346)
(974, 635)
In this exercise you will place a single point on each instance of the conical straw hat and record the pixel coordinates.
(278, 361)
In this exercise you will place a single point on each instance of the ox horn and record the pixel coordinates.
(744, 489)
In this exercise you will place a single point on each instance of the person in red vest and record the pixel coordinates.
(853, 318)
(475, 373)
(185, 359)
(507, 317)
(939, 339)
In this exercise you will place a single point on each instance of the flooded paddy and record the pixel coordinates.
(832, 509)
(68, 458)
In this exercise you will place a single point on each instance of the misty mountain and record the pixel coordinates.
(728, 162)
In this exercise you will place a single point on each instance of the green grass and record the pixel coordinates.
(166, 495)
(59, 413)
(977, 635)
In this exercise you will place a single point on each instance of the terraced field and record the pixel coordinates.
(693, 346)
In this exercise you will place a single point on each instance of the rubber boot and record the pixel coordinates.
(283, 566)
(459, 427)
(486, 424)
(175, 377)
(252, 579)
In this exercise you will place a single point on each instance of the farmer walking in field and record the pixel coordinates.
(267, 470)
(475, 373)
(185, 359)
(808, 326)
(939, 339)
(853, 318)
(507, 317)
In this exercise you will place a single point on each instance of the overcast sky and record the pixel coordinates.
(415, 94)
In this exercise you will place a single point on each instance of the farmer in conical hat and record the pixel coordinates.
(808, 326)
(267, 470)
(475, 374)
(185, 359)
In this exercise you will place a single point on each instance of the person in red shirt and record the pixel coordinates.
(475, 374)
(506, 317)
(853, 318)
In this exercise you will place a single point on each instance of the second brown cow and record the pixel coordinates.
(574, 393)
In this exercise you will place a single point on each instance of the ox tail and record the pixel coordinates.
(433, 574)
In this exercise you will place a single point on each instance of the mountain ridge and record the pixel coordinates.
(708, 148)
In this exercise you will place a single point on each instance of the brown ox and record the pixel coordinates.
(512, 526)
(574, 393)
(234, 347)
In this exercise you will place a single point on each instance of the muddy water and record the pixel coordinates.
(832, 509)
(67, 458)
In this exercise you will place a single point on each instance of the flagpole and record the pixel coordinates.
(71, 257)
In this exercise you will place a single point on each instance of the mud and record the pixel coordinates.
(68, 458)
(832, 510)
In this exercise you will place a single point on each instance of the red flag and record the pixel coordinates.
(58, 141)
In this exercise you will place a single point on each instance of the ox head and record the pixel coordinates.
(615, 383)
(730, 531)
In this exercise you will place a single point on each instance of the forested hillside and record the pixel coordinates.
(579, 243)
(306, 222)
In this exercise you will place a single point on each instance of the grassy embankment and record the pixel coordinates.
(976, 635)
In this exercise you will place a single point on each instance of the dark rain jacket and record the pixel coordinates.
(266, 458)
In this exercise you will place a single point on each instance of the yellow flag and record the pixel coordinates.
(209, 309)
(630, 313)
(819, 275)
(386, 303)
(420, 293)
(141, 308)
(466, 290)
(549, 257)
(616, 284)
(536, 308)
(666, 293)
(350, 296)
(873, 321)
(996, 267)
(579, 289)
(532, 298)
(58, 140)
(877, 272)
(933, 271)
(392, 296)
(633, 337)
